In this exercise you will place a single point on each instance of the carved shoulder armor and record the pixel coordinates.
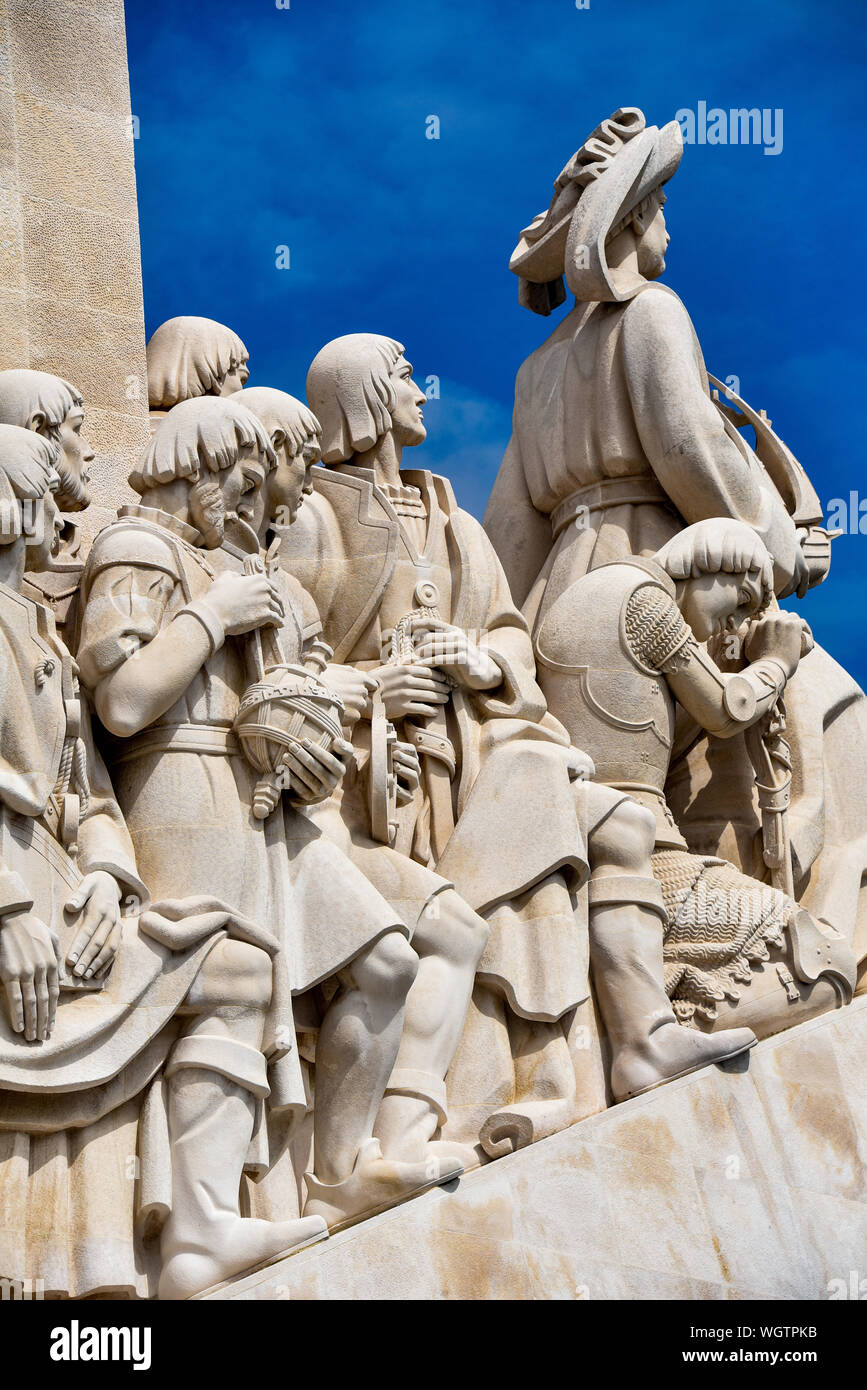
(656, 634)
(132, 542)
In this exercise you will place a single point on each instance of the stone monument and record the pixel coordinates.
(393, 906)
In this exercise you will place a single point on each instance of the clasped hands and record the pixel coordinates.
(444, 656)
(781, 636)
(30, 958)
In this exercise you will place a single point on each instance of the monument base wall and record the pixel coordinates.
(744, 1182)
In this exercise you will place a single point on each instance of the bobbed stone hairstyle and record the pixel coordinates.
(210, 432)
(277, 410)
(190, 356)
(351, 393)
(27, 470)
(718, 546)
(36, 400)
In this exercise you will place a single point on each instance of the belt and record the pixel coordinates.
(607, 492)
(177, 738)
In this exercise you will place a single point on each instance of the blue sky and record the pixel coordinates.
(262, 127)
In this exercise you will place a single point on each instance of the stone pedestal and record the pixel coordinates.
(70, 269)
(748, 1182)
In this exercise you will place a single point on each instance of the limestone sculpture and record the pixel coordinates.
(447, 936)
(399, 572)
(617, 688)
(190, 356)
(625, 367)
(164, 595)
(55, 409)
(125, 983)
(396, 842)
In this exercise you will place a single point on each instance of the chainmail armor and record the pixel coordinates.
(657, 635)
(720, 925)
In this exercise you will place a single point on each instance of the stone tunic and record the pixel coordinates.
(517, 847)
(616, 445)
(336, 911)
(606, 680)
(183, 782)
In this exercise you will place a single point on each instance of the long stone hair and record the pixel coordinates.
(351, 393)
(188, 357)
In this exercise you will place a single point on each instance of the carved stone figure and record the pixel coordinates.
(55, 409)
(410, 592)
(617, 444)
(190, 356)
(165, 601)
(124, 984)
(619, 652)
(446, 934)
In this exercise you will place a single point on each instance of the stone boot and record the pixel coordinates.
(411, 1113)
(374, 1185)
(205, 1240)
(648, 1045)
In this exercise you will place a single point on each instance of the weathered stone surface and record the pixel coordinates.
(746, 1182)
(70, 278)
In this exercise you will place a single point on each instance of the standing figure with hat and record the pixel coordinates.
(619, 443)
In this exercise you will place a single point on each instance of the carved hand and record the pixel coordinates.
(453, 651)
(245, 601)
(781, 635)
(29, 966)
(411, 690)
(314, 773)
(407, 768)
(97, 899)
(354, 688)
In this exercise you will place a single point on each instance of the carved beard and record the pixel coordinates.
(208, 511)
(73, 495)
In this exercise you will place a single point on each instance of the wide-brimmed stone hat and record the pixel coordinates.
(614, 170)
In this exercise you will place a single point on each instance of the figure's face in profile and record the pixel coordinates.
(243, 487)
(290, 482)
(216, 496)
(715, 603)
(237, 376)
(76, 454)
(407, 420)
(653, 243)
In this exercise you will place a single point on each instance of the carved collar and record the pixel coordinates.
(160, 518)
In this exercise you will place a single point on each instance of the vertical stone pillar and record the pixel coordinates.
(70, 265)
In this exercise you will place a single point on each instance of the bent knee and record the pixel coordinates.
(235, 972)
(449, 927)
(626, 837)
(387, 968)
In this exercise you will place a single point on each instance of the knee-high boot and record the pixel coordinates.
(648, 1045)
(214, 1084)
